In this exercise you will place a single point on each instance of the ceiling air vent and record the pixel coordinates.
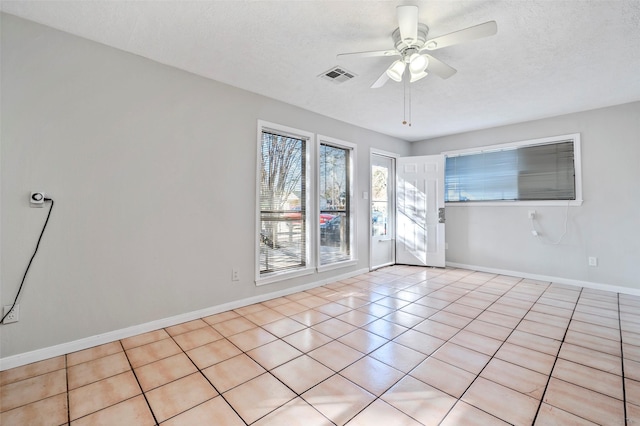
(337, 75)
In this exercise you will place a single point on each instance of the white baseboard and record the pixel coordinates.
(111, 336)
(100, 339)
(559, 280)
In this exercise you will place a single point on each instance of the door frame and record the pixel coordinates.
(393, 156)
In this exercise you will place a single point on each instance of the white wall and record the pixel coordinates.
(152, 170)
(607, 225)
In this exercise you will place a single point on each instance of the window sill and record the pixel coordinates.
(281, 276)
(540, 203)
(337, 265)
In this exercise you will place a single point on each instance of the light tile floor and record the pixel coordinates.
(398, 346)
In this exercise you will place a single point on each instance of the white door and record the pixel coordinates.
(420, 211)
(382, 211)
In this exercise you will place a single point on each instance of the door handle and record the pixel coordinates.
(441, 218)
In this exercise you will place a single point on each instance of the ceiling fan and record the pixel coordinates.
(411, 44)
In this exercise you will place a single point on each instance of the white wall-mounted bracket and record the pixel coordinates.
(36, 199)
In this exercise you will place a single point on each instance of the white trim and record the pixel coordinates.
(393, 157)
(558, 280)
(503, 146)
(288, 132)
(111, 336)
(539, 203)
(384, 265)
(337, 142)
(383, 153)
(577, 164)
(577, 167)
(337, 265)
(276, 277)
(313, 216)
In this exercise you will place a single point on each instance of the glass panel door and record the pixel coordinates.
(382, 211)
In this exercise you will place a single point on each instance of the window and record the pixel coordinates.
(283, 173)
(334, 194)
(379, 200)
(543, 170)
(304, 196)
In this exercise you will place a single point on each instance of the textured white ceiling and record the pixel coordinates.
(548, 58)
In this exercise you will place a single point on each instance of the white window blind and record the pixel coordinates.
(282, 199)
(335, 217)
(534, 172)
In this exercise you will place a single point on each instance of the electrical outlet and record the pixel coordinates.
(13, 316)
(235, 276)
(36, 199)
(532, 214)
(593, 261)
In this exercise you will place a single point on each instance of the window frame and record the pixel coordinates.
(577, 163)
(309, 267)
(337, 143)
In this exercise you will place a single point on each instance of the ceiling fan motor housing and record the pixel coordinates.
(408, 47)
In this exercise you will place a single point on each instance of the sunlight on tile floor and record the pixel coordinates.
(398, 346)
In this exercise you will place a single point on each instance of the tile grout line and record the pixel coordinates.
(441, 310)
(447, 341)
(412, 327)
(368, 289)
(66, 372)
(485, 310)
(557, 356)
(337, 373)
(624, 393)
(267, 371)
(204, 375)
(496, 351)
(307, 352)
(138, 381)
(378, 397)
(514, 329)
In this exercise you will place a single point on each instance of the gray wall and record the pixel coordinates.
(152, 170)
(607, 225)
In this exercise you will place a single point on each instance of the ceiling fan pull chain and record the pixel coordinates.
(407, 99)
(404, 101)
(409, 104)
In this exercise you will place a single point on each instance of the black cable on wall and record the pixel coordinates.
(30, 261)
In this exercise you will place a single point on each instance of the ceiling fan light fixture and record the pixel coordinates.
(417, 76)
(418, 63)
(395, 71)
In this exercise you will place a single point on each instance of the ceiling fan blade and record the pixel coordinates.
(380, 81)
(439, 68)
(370, 54)
(408, 22)
(472, 33)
